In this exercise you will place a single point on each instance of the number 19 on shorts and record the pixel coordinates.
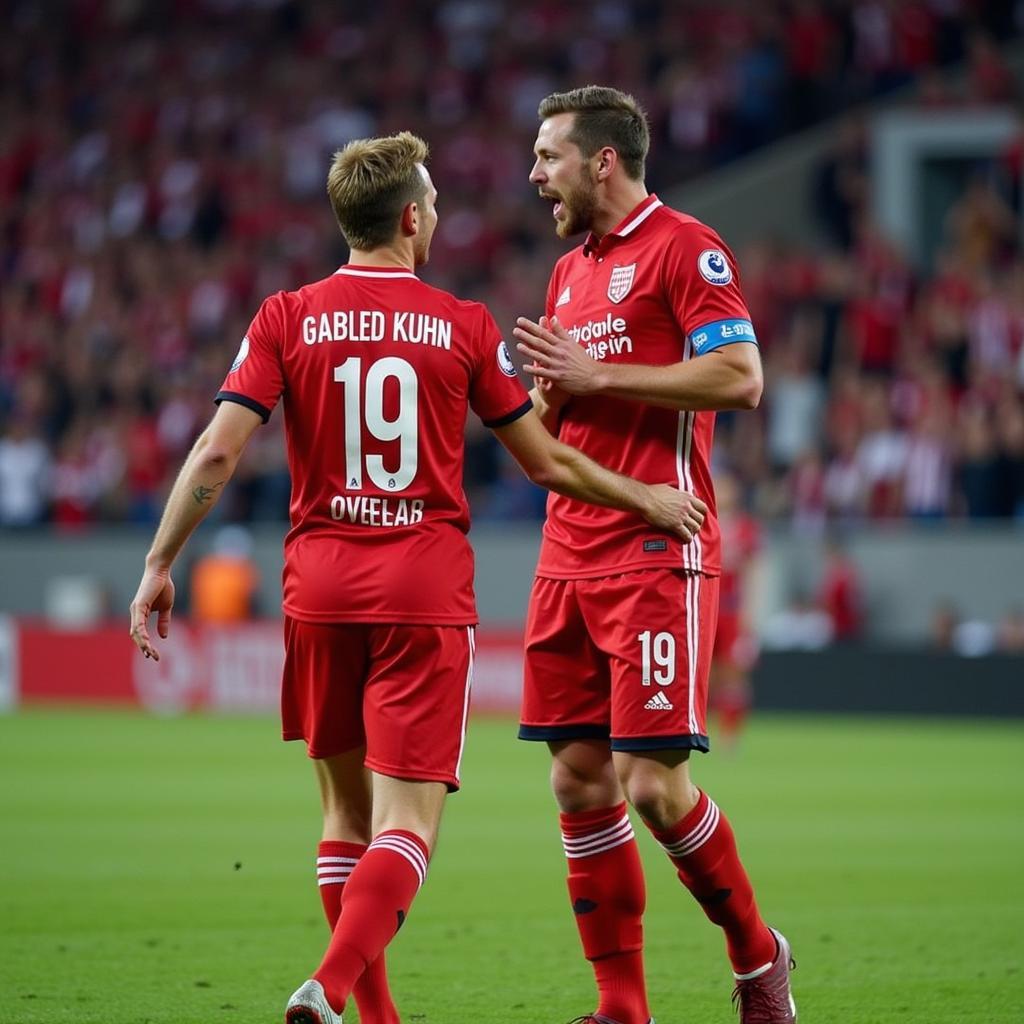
(657, 652)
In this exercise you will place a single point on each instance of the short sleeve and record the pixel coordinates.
(702, 285)
(256, 377)
(496, 394)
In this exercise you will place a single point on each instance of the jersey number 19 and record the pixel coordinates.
(364, 402)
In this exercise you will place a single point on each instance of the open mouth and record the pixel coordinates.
(557, 205)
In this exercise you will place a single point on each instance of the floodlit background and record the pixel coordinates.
(162, 169)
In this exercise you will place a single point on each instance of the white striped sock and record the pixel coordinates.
(698, 836)
(405, 847)
(598, 842)
(334, 870)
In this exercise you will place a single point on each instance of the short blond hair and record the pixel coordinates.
(369, 184)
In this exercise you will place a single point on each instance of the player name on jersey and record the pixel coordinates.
(372, 325)
(368, 511)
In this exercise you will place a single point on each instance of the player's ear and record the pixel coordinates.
(410, 220)
(607, 160)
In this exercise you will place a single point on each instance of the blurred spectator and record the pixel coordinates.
(839, 595)
(881, 454)
(980, 477)
(944, 621)
(927, 474)
(1010, 634)
(796, 411)
(225, 581)
(802, 626)
(1010, 426)
(974, 638)
(841, 187)
(807, 493)
(24, 475)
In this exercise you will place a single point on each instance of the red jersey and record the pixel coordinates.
(377, 371)
(659, 289)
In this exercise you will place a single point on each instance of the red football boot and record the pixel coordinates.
(766, 998)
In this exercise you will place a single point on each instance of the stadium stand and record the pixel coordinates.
(149, 203)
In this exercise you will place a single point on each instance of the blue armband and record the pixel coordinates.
(721, 332)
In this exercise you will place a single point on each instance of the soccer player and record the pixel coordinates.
(376, 371)
(646, 336)
(735, 648)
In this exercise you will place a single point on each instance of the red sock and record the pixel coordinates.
(606, 886)
(378, 895)
(702, 846)
(334, 863)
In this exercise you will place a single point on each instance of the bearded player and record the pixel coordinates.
(376, 372)
(646, 336)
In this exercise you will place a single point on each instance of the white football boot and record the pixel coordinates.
(308, 1005)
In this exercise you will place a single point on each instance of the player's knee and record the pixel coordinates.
(579, 788)
(661, 798)
(650, 797)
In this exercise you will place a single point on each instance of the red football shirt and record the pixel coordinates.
(377, 371)
(658, 289)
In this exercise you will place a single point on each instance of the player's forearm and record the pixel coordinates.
(546, 410)
(710, 382)
(199, 485)
(573, 474)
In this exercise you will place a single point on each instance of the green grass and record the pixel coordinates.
(160, 870)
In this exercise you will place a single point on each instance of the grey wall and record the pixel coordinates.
(770, 193)
(905, 570)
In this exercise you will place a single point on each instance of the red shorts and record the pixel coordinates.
(402, 690)
(624, 658)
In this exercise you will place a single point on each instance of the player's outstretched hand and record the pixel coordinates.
(155, 594)
(678, 511)
(556, 357)
(554, 397)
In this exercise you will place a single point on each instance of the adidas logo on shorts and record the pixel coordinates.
(659, 702)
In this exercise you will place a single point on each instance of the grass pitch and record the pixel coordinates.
(160, 871)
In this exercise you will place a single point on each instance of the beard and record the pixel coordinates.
(578, 207)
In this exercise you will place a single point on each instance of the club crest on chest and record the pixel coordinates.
(620, 282)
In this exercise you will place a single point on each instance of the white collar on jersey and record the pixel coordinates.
(637, 220)
(636, 216)
(379, 272)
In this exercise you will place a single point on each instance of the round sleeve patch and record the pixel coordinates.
(243, 354)
(505, 363)
(714, 267)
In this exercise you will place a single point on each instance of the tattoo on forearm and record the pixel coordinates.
(204, 494)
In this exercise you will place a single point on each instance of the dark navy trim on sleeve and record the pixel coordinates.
(563, 732)
(719, 333)
(511, 417)
(681, 741)
(249, 403)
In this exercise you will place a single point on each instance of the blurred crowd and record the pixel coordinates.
(162, 169)
(890, 393)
